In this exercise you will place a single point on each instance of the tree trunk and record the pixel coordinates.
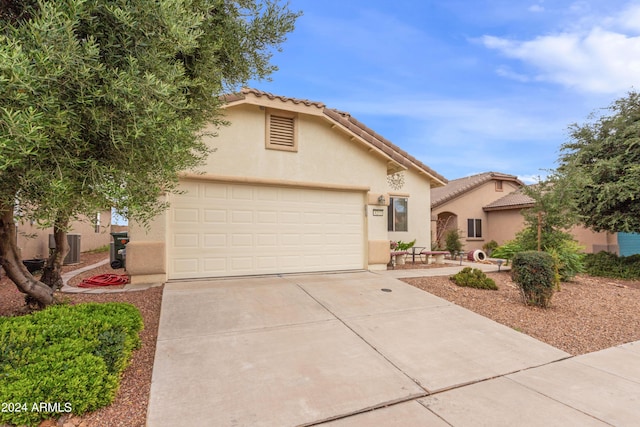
(11, 261)
(52, 274)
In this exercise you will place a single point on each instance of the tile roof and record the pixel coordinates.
(259, 93)
(514, 200)
(457, 187)
(396, 153)
(354, 126)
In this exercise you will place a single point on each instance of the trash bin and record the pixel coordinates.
(118, 254)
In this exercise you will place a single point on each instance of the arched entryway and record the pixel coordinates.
(445, 221)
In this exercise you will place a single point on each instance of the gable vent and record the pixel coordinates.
(282, 131)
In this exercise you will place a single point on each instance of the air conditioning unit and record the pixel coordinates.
(73, 240)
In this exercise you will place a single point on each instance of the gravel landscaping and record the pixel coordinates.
(588, 314)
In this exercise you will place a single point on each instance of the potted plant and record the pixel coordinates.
(401, 246)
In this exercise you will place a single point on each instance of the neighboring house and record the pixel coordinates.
(459, 205)
(34, 241)
(292, 187)
(488, 206)
(505, 220)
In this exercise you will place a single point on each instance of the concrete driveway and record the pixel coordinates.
(365, 349)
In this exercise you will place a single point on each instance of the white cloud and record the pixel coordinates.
(537, 8)
(531, 179)
(600, 59)
(507, 72)
(629, 20)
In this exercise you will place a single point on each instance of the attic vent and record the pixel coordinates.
(281, 131)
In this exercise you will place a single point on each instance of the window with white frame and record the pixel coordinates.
(398, 219)
(474, 228)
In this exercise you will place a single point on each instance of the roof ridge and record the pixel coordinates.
(260, 93)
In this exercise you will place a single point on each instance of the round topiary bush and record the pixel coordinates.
(534, 273)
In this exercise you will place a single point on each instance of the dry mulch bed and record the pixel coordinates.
(586, 315)
(130, 406)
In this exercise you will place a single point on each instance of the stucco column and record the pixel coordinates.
(378, 244)
(146, 260)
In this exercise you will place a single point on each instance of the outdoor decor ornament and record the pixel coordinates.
(396, 180)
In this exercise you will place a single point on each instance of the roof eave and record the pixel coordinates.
(508, 207)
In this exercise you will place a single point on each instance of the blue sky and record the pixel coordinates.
(465, 86)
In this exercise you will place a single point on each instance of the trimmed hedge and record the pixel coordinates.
(474, 279)
(64, 359)
(534, 273)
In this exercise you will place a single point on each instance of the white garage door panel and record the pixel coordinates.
(229, 230)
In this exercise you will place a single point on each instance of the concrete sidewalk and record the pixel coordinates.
(362, 349)
(450, 268)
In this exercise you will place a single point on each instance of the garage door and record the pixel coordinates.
(221, 229)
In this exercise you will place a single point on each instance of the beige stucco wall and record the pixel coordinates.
(326, 155)
(504, 224)
(469, 206)
(34, 241)
(418, 191)
(595, 242)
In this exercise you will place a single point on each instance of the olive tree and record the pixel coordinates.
(102, 103)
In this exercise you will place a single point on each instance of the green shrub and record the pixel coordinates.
(452, 242)
(69, 355)
(473, 278)
(606, 264)
(533, 272)
(507, 251)
(570, 259)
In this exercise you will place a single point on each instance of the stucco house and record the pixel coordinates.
(506, 220)
(293, 186)
(488, 206)
(459, 205)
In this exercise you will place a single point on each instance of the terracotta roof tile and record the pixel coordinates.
(260, 93)
(514, 200)
(457, 187)
(396, 153)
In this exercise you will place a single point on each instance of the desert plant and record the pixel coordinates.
(534, 274)
(452, 242)
(489, 247)
(473, 278)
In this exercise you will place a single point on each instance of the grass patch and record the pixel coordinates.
(64, 359)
